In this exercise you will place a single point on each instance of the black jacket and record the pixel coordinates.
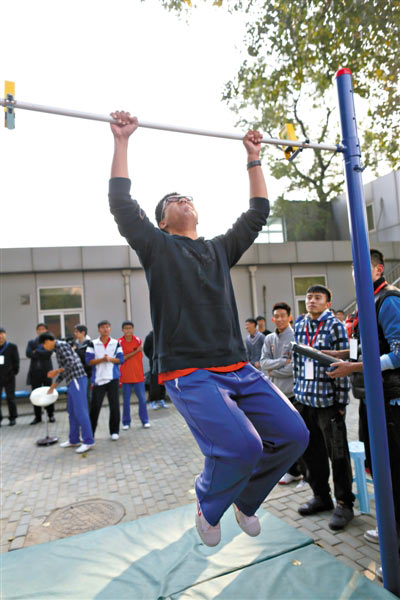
(40, 360)
(10, 368)
(148, 349)
(81, 352)
(193, 308)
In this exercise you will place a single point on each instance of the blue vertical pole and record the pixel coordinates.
(369, 336)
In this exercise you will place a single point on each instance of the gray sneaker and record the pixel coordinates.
(209, 534)
(342, 515)
(250, 525)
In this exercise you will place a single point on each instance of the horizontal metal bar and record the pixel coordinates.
(219, 134)
(56, 111)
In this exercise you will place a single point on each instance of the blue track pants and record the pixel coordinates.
(248, 431)
(141, 395)
(78, 411)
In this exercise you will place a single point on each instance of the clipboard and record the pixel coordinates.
(317, 355)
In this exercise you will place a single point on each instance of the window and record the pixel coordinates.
(61, 308)
(370, 217)
(301, 285)
(272, 232)
(62, 297)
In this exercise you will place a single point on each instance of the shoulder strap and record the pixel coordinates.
(389, 290)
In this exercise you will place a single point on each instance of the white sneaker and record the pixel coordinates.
(68, 444)
(371, 535)
(125, 427)
(210, 535)
(288, 478)
(379, 573)
(250, 525)
(114, 437)
(146, 425)
(84, 448)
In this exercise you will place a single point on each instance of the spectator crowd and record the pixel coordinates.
(320, 393)
(92, 369)
(95, 368)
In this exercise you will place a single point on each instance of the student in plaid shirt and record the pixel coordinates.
(321, 402)
(71, 368)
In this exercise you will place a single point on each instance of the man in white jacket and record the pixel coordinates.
(276, 363)
(105, 357)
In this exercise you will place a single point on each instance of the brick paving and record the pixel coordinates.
(147, 471)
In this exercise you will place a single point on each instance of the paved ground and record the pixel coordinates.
(147, 471)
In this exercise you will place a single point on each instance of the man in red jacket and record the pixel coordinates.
(132, 375)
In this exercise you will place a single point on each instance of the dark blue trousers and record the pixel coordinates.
(78, 411)
(248, 431)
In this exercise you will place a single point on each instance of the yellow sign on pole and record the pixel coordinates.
(9, 94)
(9, 88)
(288, 133)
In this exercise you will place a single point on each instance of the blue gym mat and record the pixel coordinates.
(162, 557)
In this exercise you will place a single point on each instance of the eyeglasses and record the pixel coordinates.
(174, 199)
(177, 198)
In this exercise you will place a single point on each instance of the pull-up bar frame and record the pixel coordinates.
(350, 148)
(369, 334)
(191, 130)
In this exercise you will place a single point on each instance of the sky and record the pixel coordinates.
(99, 56)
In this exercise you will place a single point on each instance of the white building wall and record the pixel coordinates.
(340, 282)
(384, 195)
(278, 288)
(19, 320)
(99, 271)
(140, 304)
(104, 299)
(241, 285)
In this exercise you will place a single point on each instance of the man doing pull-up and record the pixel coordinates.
(248, 431)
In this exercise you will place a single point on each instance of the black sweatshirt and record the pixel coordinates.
(10, 366)
(192, 303)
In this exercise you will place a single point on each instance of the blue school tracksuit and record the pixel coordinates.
(77, 383)
(78, 411)
(248, 431)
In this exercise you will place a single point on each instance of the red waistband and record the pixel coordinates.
(169, 375)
